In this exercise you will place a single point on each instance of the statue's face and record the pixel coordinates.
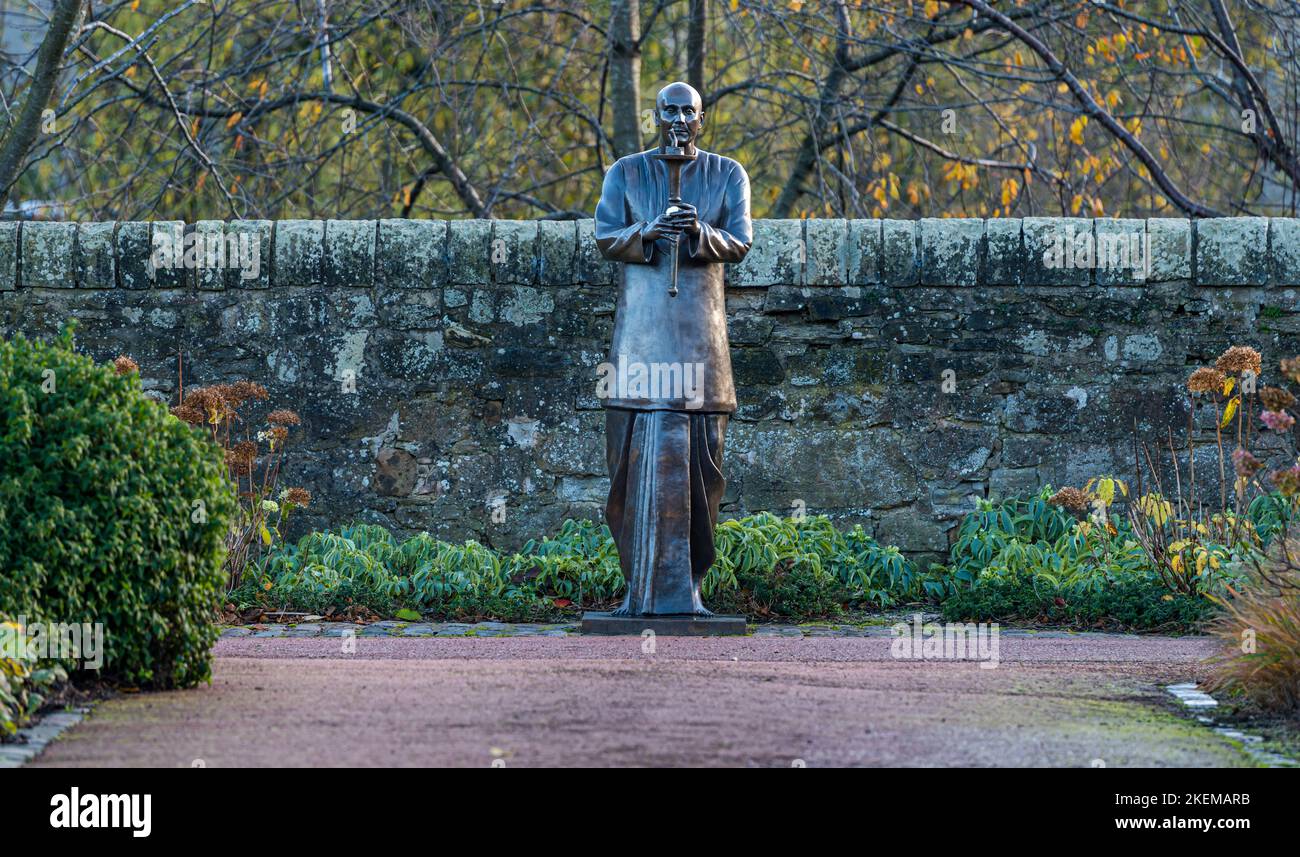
(680, 114)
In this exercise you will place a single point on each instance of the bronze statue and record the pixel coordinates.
(674, 215)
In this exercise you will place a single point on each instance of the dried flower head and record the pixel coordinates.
(1238, 359)
(283, 417)
(1070, 499)
(189, 414)
(241, 457)
(1291, 368)
(209, 402)
(300, 497)
(247, 391)
(1245, 464)
(1277, 420)
(126, 366)
(1276, 399)
(1287, 481)
(278, 434)
(1206, 380)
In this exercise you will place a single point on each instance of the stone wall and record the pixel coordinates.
(888, 371)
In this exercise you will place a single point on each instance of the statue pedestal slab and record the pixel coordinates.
(668, 626)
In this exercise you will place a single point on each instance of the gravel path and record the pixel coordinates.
(537, 700)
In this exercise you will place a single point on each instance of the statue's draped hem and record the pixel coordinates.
(666, 485)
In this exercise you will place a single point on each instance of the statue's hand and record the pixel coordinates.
(685, 219)
(662, 226)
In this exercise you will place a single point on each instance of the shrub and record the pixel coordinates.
(772, 566)
(1030, 559)
(1135, 603)
(1037, 537)
(111, 511)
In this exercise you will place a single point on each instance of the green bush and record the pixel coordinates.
(802, 567)
(1027, 560)
(767, 567)
(1132, 604)
(111, 511)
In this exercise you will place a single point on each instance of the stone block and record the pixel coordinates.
(950, 251)
(776, 257)
(1004, 253)
(469, 252)
(134, 244)
(96, 268)
(248, 254)
(557, 247)
(167, 261)
(49, 255)
(209, 271)
(664, 626)
(350, 253)
(593, 268)
(514, 252)
(8, 255)
(826, 257)
(863, 256)
(1121, 248)
(899, 253)
(1232, 251)
(1053, 248)
(1170, 241)
(412, 254)
(299, 253)
(1284, 251)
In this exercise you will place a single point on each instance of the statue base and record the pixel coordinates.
(668, 626)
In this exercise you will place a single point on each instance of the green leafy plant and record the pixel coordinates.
(1063, 557)
(1127, 604)
(111, 511)
(767, 566)
(1039, 537)
(23, 685)
(805, 566)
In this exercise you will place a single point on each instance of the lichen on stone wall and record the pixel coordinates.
(889, 372)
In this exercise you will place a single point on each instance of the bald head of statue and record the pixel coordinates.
(679, 114)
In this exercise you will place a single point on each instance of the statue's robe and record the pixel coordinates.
(664, 444)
